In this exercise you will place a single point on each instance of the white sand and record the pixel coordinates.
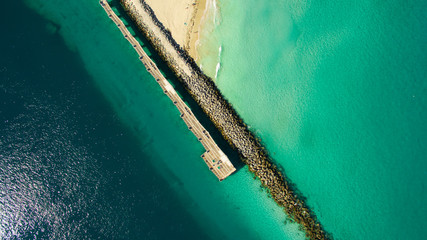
(182, 18)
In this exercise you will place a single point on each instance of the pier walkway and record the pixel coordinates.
(216, 160)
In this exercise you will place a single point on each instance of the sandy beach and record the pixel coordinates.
(182, 18)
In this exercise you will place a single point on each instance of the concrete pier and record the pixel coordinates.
(216, 160)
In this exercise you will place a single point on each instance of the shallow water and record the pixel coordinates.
(92, 148)
(337, 93)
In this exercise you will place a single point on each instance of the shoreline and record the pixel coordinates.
(193, 33)
(225, 118)
(183, 19)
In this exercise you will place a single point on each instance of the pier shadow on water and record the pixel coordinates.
(186, 97)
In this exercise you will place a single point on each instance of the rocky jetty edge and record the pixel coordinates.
(225, 118)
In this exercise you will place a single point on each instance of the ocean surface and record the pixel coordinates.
(90, 147)
(337, 92)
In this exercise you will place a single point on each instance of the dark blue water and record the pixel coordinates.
(68, 168)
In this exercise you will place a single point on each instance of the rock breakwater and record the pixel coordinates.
(222, 114)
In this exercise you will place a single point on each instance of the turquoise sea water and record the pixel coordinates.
(92, 149)
(337, 92)
(86, 152)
